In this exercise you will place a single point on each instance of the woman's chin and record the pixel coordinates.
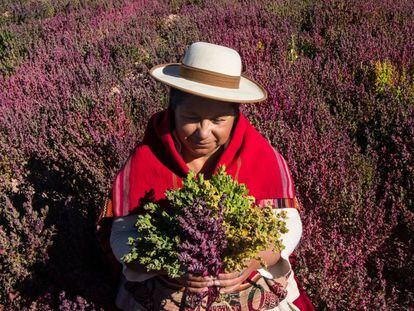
(202, 151)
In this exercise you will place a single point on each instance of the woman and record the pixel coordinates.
(201, 130)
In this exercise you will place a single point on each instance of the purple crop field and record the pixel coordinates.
(75, 96)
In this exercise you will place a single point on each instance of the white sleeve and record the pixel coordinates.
(122, 228)
(289, 239)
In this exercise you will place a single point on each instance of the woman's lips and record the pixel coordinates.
(202, 144)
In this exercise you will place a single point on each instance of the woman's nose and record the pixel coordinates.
(204, 129)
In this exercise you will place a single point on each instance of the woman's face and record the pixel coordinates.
(203, 125)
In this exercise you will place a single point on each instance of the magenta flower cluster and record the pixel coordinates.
(203, 242)
(75, 97)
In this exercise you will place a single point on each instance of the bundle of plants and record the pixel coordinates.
(208, 227)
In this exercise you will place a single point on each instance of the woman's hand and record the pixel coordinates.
(227, 282)
(230, 282)
(196, 284)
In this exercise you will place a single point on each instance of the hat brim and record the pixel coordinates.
(249, 91)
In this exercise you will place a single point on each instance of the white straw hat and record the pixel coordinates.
(211, 71)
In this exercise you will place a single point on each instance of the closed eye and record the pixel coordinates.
(191, 118)
(218, 120)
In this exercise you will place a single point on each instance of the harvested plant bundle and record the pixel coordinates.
(209, 227)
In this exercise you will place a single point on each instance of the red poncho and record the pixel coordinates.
(156, 165)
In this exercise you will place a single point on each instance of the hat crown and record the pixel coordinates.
(212, 57)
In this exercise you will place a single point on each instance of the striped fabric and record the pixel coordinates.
(287, 181)
(106, 210)
(120, 190)
(280, 203)
(289, 199)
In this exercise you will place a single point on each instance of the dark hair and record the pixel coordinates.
(176, 97)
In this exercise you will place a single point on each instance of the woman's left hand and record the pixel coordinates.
(230, 282)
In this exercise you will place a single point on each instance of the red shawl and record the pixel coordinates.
(155, 165)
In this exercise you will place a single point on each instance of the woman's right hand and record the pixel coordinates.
(195, 284)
